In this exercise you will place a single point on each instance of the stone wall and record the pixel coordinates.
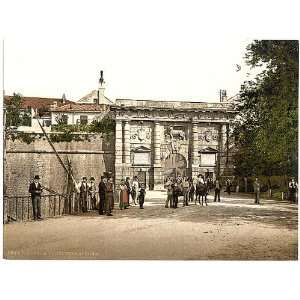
(23, 161)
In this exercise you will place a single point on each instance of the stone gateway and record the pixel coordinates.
(157, 139)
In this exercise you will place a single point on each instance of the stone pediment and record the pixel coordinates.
(208, 150)
(141, 149)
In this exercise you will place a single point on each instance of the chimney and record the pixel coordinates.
(223, 95)
(101, 89)
(63, 98)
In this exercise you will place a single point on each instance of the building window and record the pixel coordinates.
(64, 119)
(61, 119)
(83, 120)
(46, 123)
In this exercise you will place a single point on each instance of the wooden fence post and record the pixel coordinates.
(5, 216)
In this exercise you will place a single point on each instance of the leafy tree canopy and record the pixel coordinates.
(266, 130)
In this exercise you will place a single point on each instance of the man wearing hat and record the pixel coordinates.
(109, 178)
(84, 194)
(35, 189)
(293, 188)
(102, 191)
(109, 196)
(92, 193)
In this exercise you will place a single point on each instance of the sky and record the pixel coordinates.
(48, 69)
(157, 50)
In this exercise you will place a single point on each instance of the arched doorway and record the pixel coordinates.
(174, 165)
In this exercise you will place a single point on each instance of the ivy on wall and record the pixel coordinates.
(69, 133)
(22, 136)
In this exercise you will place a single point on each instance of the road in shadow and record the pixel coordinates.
(232, 210)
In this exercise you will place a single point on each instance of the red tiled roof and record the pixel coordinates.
(38, 102)
(86, 107)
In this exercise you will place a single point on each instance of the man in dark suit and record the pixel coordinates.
(35, 189)
(84, 194)
(217, 190)
(102, 190)
(109, 196)
(256, 189)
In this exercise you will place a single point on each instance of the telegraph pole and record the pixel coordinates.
(4, 118)
(5, 212)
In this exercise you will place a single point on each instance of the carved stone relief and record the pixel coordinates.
(208, 135)
(140, 133)
(175, 137)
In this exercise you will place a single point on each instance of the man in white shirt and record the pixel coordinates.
(135, 189)
(293, 188)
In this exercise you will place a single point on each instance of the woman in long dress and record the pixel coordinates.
(124, 199)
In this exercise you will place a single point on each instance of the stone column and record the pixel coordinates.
(158, 182)
(223, 150)
(224, 141)
(126, 154)
(118, 152)
(224, 138)
(127, 143)
(195, 149)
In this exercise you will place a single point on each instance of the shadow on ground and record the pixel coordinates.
(232, 210)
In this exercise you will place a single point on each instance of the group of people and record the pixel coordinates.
(88, 191)
(191, 189)
(88, 194)
(130, 191)
(133, 192)
(292, 190)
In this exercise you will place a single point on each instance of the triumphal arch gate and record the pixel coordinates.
(158, 139)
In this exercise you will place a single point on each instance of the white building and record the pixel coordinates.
(93, 106)
(78, 113)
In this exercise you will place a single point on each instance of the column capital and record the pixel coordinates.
(194, 121)
(122, 120)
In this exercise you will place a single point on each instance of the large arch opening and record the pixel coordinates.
(175, 164)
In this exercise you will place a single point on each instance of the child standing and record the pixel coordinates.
(141, 196)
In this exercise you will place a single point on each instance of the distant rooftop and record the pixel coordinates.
(38, 102)
(80, 107)
(92, 96)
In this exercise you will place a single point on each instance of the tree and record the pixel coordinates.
(13, 111)
(266, 130)
(16, 115)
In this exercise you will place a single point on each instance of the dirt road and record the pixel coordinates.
(234, 229)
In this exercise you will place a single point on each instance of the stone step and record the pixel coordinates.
(156, 194)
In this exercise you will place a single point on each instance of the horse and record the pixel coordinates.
(201, 192)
